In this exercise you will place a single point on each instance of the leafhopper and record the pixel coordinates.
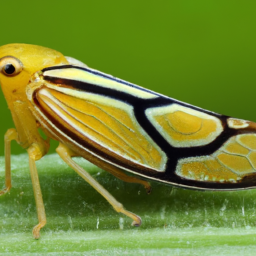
(135, 134)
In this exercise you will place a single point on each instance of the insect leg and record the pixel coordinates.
(10, 135)
(66, 154)
(124, 177)
(34, 153)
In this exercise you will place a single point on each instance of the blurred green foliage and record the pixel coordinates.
(200, 52)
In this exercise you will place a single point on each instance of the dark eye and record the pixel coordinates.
(10, 66)
(9, 69)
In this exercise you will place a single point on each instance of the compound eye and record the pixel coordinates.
(10, 66)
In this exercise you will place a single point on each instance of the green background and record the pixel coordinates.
(200, 52)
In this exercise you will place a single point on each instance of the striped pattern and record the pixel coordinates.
(99, 79)
(143, 132)
(107, 124)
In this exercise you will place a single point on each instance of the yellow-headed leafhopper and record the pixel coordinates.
(118, 126)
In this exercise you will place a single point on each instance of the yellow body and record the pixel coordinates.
(119, 127)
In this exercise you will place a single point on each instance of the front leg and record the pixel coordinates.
(10, 135)
(35, 152)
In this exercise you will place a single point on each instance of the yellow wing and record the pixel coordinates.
(105, 124)
(144, 132)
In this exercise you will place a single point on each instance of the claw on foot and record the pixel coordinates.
(136, 219)
(36, 230)
(4, 191)
(148, 189)
(137, 223)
